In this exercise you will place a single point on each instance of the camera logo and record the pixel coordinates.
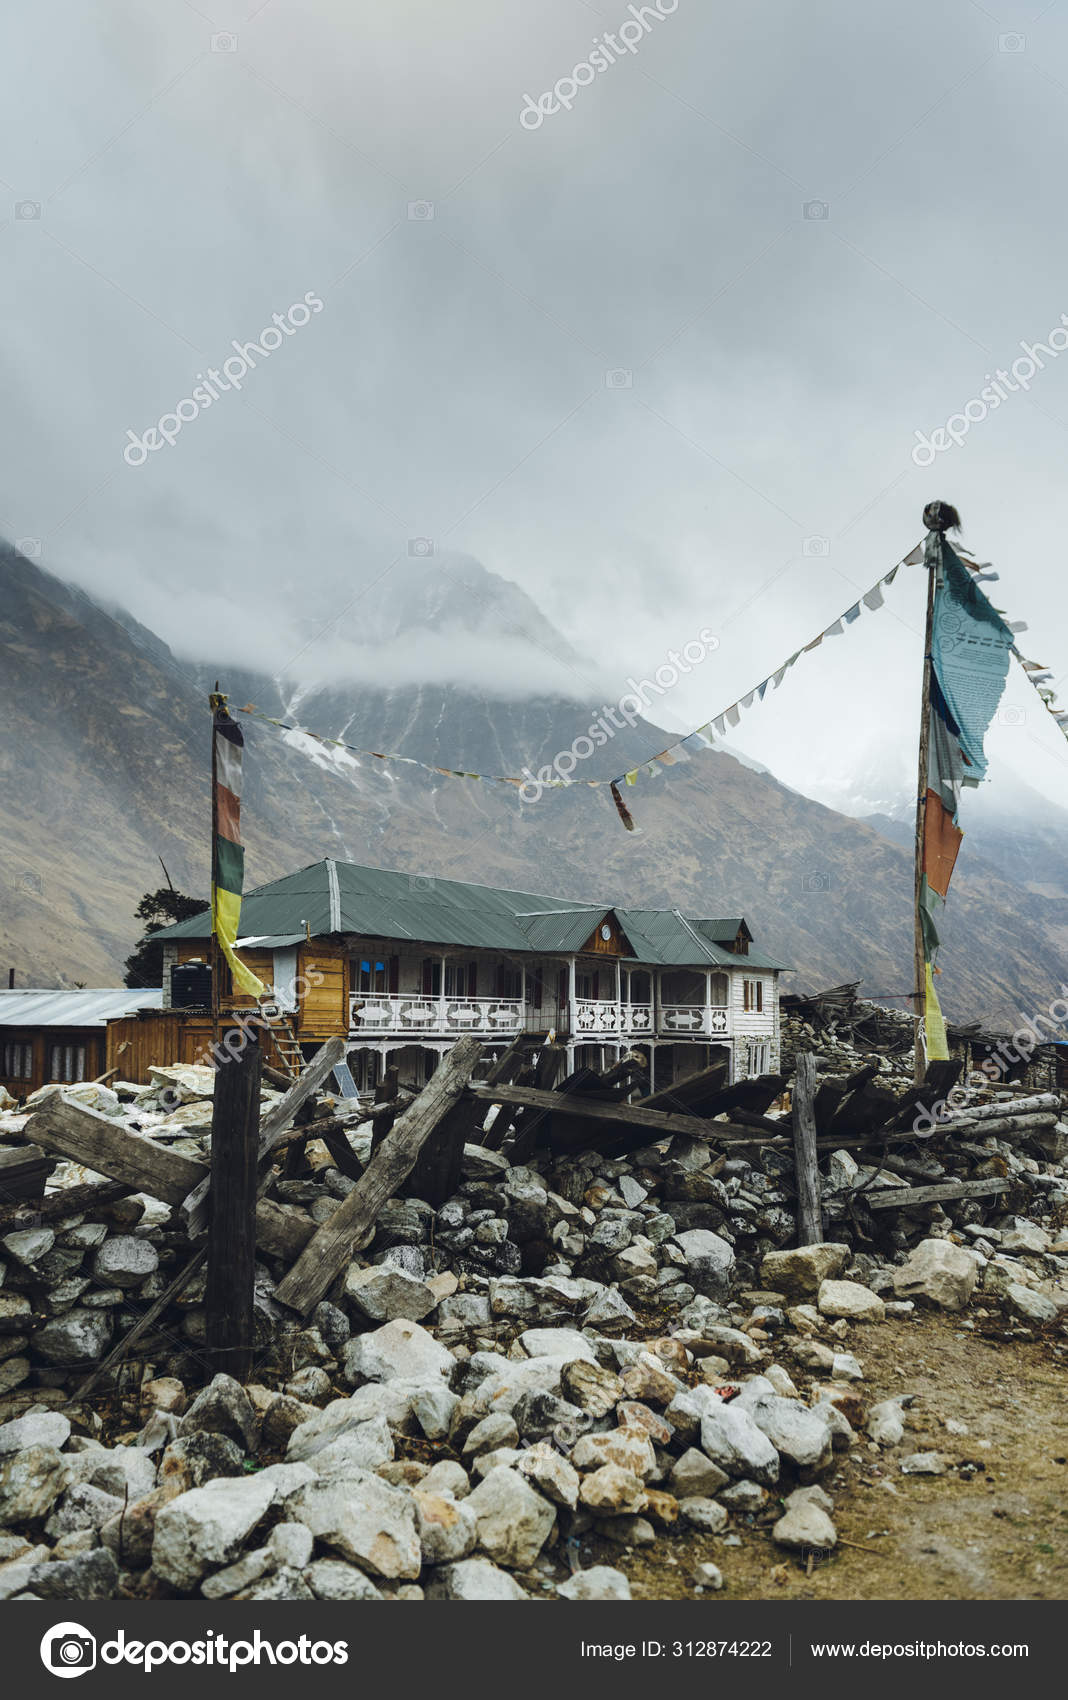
(420, 210)
(1011, 715)
(815, 882)
(421, 548)
(816, 546)
(1012, 43)
(224, 42)
(619, 378)
(421, 882)
(815, 209)
(27, 209)
(68, 1650)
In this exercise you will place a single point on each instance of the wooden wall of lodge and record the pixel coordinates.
(136, 1043)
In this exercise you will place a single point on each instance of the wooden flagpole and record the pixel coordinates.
(213, 701)
(921, 818)
(940, 517)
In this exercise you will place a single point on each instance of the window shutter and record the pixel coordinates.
(499, 980)
(472, 979)
(394, 975)
(595, 990)
(428, 977)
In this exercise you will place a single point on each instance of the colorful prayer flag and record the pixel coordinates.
(228, 855)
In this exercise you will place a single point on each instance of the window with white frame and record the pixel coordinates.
(18, 1062)
(753, 997)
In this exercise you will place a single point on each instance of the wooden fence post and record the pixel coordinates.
(235, 1121)
(809, 1209)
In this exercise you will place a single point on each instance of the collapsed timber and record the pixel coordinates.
(496, 1327)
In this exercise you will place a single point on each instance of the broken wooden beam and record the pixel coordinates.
(69, 1201)
(24, 1169)
(905, 1197)
(660, 1124)
(104, 1145)
(688, 1093)
(806, 1166)
(329, 1249)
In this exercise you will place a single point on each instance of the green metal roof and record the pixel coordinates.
(342, 897)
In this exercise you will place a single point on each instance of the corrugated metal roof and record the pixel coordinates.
(73, 1009)
(564, 929)
(718, 930)
(381, 903)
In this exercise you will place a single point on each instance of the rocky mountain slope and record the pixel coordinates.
(104, 768)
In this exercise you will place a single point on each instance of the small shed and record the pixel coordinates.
(50, 1036)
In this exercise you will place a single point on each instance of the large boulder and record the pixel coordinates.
(514, 1522)
(363, 1519)
(30, 1483)
(798, 1274)
(206, 1528)
(36, 1428)
(385, 1293)
(803, 1435)
(474, 1579)
(448, 1529)
(77, 1337)
(939, 1273)
(223, 1407)
(806, 1526)
(851, 1301)
(125, 1261)
(733, 1440)
(401, 1350)
(709, 1261)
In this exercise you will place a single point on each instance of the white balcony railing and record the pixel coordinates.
(693, 1018)
(372, 1013)
(589, 1017)
(599, 1015)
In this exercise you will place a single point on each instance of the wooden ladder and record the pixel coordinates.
(285, 1043)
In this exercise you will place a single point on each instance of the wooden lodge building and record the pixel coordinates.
(402, 964)
(51, 1037)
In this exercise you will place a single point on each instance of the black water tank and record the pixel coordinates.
(191, 985)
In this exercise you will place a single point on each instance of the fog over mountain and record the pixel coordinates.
(106, 767)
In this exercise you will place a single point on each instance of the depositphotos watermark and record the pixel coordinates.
(208, 389)
(69, 1650)
(631, 706)
(999, 386)
(607, 49)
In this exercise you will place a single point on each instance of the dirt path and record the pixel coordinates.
(995, 1526)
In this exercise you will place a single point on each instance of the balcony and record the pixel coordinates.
(585, 1019)
(633, 1020)
(444, 1017)
(598, 1015)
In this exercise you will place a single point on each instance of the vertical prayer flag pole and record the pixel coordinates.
(919, 952)
(215, 702)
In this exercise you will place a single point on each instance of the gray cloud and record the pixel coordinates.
(771, 369)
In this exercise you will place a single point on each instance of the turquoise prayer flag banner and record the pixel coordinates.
(970, 647)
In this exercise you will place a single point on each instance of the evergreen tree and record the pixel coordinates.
(157, 909)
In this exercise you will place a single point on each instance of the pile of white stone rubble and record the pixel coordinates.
(572, 1357)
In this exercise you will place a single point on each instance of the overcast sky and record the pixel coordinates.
(611, 356)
